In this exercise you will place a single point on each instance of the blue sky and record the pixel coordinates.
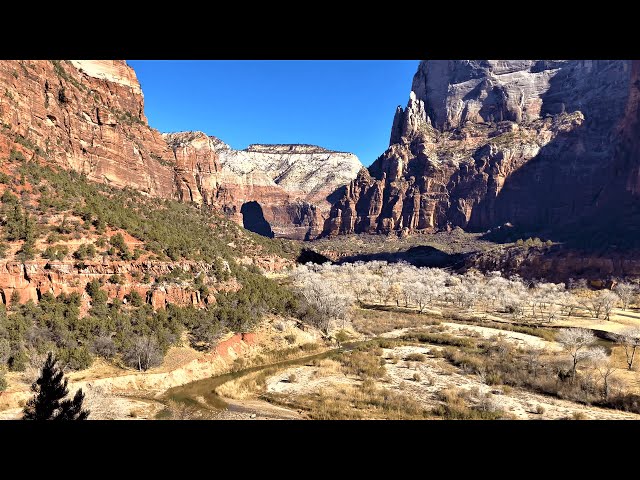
(342, 105)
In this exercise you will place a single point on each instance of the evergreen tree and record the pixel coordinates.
(50, 389)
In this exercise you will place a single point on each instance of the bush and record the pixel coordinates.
(85, 252)
(134, 298)
(415, 357)
(362, 364)
(77, 358)
(104, 347)
(540, 410)
(292, 378)
(55, 252)
(18, 361)
(416, 377)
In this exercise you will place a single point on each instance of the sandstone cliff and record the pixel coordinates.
(482, 143)
(288, 185)
(88, 116)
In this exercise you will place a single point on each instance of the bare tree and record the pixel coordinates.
(600, 303)
(629, 338)
(143, 353)
(626, 292)
(609, 300)
(576, 342)
(568, 303)
(331, 302)
(421, 295)
(603, 365)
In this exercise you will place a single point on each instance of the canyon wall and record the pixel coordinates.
(287, 185)
(88, 116)
(481, 143)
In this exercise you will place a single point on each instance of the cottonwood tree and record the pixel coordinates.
(567, 302)
(48, 402)
(576, 342)
(331, 303)
(627, 292)
(143, 353)
(421, 294)
(629, 338)
(603, 366)
(609, 300)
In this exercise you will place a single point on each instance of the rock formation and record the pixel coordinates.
(483, 143)
(88, 116)
(289, 184)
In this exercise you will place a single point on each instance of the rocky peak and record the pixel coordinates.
(483, 91)
(484, 142)
(409, 123)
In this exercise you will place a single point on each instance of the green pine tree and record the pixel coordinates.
(50, 390)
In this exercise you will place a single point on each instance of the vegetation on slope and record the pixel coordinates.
(42, 202)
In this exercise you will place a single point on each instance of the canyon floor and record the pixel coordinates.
(283, 372)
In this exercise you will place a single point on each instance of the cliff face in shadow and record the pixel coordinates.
(538, 144)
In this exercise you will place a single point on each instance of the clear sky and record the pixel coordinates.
(341, 105)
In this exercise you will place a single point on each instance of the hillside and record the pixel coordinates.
(88, 116)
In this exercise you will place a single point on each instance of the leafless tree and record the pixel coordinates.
(609, 300)
(576, 342)
(568, 303)
(421, 295)
(629, 338)
(143, 353)
(600, 303)
(532, 356)
(627, 292)
(603, 366)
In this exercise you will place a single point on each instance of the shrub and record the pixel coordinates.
(134, 298)
(362, 364)
(415, 357)
(18, 361)
(104, 347)
(85, 251)
(540, 409)
(77, 358)
(55, 252)
(416, 377)
(292, 378)
(290, 338)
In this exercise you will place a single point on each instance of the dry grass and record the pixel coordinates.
(326, 367)
(365, 401)
(455, 406)
(246, 386)
(364, 363)
(415, 357)
(376, 322)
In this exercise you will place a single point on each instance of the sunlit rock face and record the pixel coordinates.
(485, 142)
